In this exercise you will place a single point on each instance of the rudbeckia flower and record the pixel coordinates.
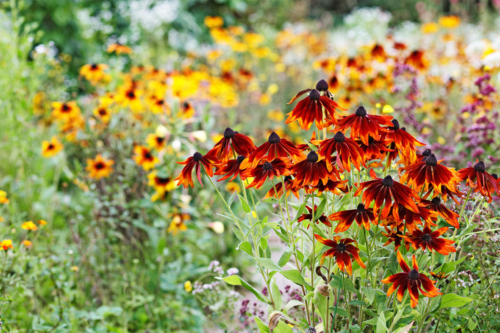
(309, 216)
(311, 171)
(119, 49)
(6, 244)
(99, 167)
(428, 172)
(481, 181)
(102, 113)
(3, 198)
(374, 149)
(93, 72)
(347, 152)
(395, 236)
(51, 148)
(333, 186)
(232, 168)
(159, 183)
(241, 144)
(410, 280)
(177, 225)
(417, 60)
(195, 162)
(318, 107)
(427, 239)
(156, 141)
(278, 167)
(439, 276)
(364, 125)
(65, 111)
(187, 110)
(426, 153)
(411, 218)
(145, 158)
(340, 249)
(30, 226)
(361, 215)
(289, 187)
(404, 142)
(273, 148)
(449, 216)
(387, 191)
(129, 97)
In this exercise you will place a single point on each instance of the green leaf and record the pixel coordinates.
(285, 257)
(340, 311)
(269, 264)
(472, 324)
(358, 302)
(381, 323)
(263, 328)
(295, 276)
(246, 247)
(282, 328)
(291, 304)
(454, 301)
(369, 293)
(244, 204)
(278, 301)
(405, 329)
(338, 282)
(235, 280)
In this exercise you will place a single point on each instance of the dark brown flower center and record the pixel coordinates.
(267, 166)
(162, 180)
(339, 137)
(288, 179)
(314, 95)
(426, 152)
(51, 146)
(93, 66)
(341, 247)
(197, 157)
(240, 159)
(480, 167)
(312, 157)
(274, 138)
(65, 107)
(361, 112)
(427, 238)
(431, 160)
(494, 175)
(388, 181)
(100, 166)
(130, 94)
(322, 85)
(160, 139)
(148, 156)
(413, 274)
(371, 140)
(361, 208)
(229, 133)
(436, 201)
(396, 124)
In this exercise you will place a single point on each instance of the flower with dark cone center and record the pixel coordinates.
(427, 238)
(160, 139)
(341, 247)
(197, 157)
(99, 166)
(322, 85)
(93, 66)
(148, 156)
(130, 94)
(494, 175)
(431, 160)
(480, 167)
(371, 140)
(387, 181)
(361, 208)
(229, 133)
(312, 157)
(427, 152)
(51, 146)
(339, 137)
(274, 138)
(240, 159)
(288, 179)
(436, 201)
(267, 166)
(314, 95)
(396, 124)
(413, 274)
(361, 112)
(66, 107)
(102, 112)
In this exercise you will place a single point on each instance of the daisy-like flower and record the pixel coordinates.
(277, 167)
(3, 198)
(428, 172)
(232, 168)
(427, 239)
(156, 141)
(311, 171)
(51, 148)
(197, 161)
(241, 144)
(411, 218)
(347, 151)
(65, 111)
(119, 49)
(145, 158)
(28, 244)
(186, 110)
(361, 215)
(416, 59)
(395, 236)
(411, 280)
(161, 184)
(99, 167)
(30, 226)
(102, 113)
(448, 215)
(387, 191)
(364, 125)
(273, 148)
(278, 188)
(157, 105)
(404, 142)
(479, 180)
(439, 276)
(318, 107)
(6, 244)
(177, 225)
(130, 96)
(309, 216)
(340, 249)
(426, 153)
(94, 72)
(333, 186)
(374, 149)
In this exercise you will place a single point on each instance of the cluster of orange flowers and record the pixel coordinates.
(317, 167)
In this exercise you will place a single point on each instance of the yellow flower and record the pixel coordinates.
(213, 22)
(387, 109)
(99, 167)
(429, 28)
(42, 222)
(441, 140)
(119, 49)
(155, 141)
(144, 157)
(3, 197)
(6, 244)
(29, 226)
(177, 225)
(450, 21)
(233, 187)
(65, 111)
(276, 115)
(75, 268)
(102, 113)
(51, 148)
(94, 72)
(188, 287)
(27, 243)
(159, 183)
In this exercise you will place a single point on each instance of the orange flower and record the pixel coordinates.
(99, 167)
(29, 226)
(347, 150)
(232, 168)
(27, 243)
(417, 60)
(275, 168)
(93, 72)
(374, 149)
(364, 125)
(241, 144)
(426, 239)
(277, 190)
(102, 113)
(481, 181)
(51, 148)
(273, 148)
(65, 111)
(156, 141)
(341, 248)
(195, 162)
(311, 171)
(411, 280)
(331, 186)
(405, 143)
(435, 205)
(6, 244)
(309, 216)
(119, 49)
(144, 157)
(395, 236)
(361, 215)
